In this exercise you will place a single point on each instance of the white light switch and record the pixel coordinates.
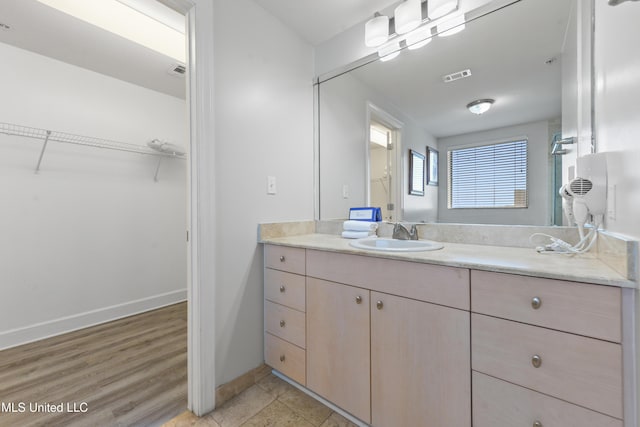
(271, 185)
(345, 191)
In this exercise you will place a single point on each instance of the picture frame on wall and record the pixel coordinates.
(416, 173)
(432, 166)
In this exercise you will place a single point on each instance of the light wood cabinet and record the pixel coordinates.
(497, 403)
(420, 368)
(553, 350)
(338, 346)
(284, 311)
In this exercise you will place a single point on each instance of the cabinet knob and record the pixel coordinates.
(537, 424)
(282, 357)
(379, 305)
(536, 303)
(282, 288)
(536, 361)
(282, 323)
(358, 299)
(282, 258)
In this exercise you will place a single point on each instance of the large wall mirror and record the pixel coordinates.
(522, 56)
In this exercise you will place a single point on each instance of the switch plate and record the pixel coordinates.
(271, 185)
(345, 191)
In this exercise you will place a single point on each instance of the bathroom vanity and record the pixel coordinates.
(466, 336)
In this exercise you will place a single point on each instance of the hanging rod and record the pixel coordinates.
(69, 138)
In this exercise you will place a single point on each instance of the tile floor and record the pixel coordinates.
(271, 402)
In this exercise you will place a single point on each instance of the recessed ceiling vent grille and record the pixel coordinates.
(178, 70)
(456, 76)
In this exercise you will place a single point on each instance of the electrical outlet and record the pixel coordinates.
(345, 191)
(271, 185)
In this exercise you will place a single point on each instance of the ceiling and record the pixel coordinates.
(47, 31)
(514, 55)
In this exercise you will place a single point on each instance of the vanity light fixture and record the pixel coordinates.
(125, 19)
(452, 26)
(376, 30)
(439, 8)
(480, 106)
(419, 38)
(389, 51)
(408, 16)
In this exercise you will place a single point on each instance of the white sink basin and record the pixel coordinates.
(394, 245)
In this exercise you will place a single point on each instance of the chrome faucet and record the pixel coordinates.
(400, 232)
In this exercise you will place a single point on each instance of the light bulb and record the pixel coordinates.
(408, 16)
(376, 31)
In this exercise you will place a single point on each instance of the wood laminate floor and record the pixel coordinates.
(129, 372)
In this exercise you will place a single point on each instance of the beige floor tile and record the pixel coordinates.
(277, 415)
(274, 385)
(307, 407)
(242, 407)
(337, 420)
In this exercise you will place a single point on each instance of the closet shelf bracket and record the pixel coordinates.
(44, 147)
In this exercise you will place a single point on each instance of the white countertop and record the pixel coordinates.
(578, 268)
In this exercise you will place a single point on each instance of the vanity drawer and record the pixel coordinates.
(285, 288)
(285, 323)
(426, 282)
(285, 357)
(590, 310)
(285, 258)
(497, 403)
(580, 370)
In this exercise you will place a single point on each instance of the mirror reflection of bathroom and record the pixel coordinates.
(382, 159)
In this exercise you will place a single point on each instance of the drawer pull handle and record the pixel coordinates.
(358, 299)
(282, 258)
(537, 424)
(536, 303)
(536, 361)
(282, 288)
(282, 323)
(379, 305)
(282, 357)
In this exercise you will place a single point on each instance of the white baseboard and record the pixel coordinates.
(50, 328)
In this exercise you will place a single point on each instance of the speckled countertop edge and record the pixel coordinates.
(578, 268)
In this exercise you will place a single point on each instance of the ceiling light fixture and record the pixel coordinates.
(408, 16)
(127, 21)
(480, 106)
(376, 30)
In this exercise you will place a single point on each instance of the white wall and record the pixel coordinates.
(264, 126)
(617, 66)
(538, 212)
(92, 236)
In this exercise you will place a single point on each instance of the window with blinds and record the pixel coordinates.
(488, 176)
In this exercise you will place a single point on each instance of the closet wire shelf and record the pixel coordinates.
(69, 138)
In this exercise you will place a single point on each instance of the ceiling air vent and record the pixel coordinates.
(178, 70)
(4, 26)
(456, 76)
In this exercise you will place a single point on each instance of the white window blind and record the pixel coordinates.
(488, 176)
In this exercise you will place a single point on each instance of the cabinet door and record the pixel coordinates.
(420, 363)
(338, 346)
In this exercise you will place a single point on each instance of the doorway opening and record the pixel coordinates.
(383, 187)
